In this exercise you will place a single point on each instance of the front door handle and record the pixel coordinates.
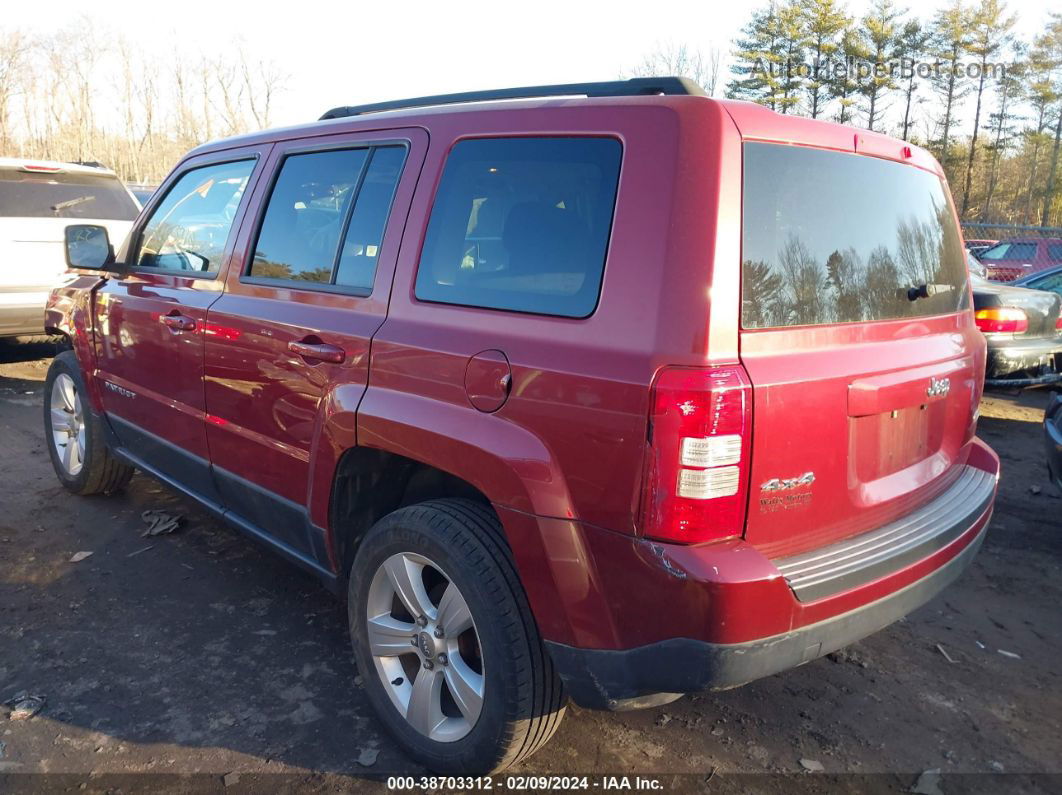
(319, 351)
(177, 322)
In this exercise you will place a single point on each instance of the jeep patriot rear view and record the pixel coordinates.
(609, 392)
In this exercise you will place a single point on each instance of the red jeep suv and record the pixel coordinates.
(609, 392)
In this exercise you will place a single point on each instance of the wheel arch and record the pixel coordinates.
(370, 483)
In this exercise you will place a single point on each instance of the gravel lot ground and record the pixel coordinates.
(201, 653)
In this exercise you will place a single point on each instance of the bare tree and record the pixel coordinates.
(14, 50)
(681, 60)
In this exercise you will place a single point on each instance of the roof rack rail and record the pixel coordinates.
(635, 86)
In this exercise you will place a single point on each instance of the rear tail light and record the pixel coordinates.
(1004, 319)
(696, 480)
(1058, 324)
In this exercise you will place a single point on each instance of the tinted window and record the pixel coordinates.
(522, 224)
(64, 195)
(309, 212)
(1054, 252)
(829, 237)
(361, 244)
(1010, 251)
(1052, 282)
(189, 228)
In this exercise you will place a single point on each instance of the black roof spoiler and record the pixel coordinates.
(634, 87)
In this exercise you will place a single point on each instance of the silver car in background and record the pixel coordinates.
(38, 199)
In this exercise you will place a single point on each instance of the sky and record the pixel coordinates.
(344, 53)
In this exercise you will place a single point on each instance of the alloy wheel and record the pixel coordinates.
(68, 424)
(425, 647)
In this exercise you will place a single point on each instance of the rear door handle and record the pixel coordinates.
(178, 322)
(318, 351)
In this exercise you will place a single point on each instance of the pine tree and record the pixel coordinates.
(989, 36)
(757, 60)
(1001, 123)
(823, 24)
(1051, 44)
(1040, 93)
(791, 34)
(911, 45)
(950, 40)
(879, 39)
(846, 82)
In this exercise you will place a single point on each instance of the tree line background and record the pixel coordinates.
(86, 94)
(995, 131)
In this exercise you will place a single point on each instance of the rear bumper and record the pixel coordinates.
(617, 680)
(630, 622)
(1023, 362)
(22, 312)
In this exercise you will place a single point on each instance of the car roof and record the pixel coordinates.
(29, 165)
(754, 123)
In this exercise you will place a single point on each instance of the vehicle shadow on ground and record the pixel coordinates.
(13, 351)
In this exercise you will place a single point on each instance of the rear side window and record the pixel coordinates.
(830, 237)
(522, 224)
(188, 229)
(1054, 252)
(26, 194)
(320, 199)
(1010, 251)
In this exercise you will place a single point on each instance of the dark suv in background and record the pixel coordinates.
(611, 391)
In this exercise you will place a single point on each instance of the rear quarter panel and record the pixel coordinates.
(570, 439)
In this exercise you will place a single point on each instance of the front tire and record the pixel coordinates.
(74, 434)
(446, 643)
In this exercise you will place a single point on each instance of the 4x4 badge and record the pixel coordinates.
(938, 387)
(784, 484)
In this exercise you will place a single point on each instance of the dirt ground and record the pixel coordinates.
(202, 656)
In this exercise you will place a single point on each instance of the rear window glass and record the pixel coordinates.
(522, 224)
(64, 195)
(830, 237)
(1010, 251)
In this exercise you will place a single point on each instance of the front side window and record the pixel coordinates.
(1054, 252)
(320, 199)
(522, 224)
(1010, 251)
(833, 237)
(189, 228)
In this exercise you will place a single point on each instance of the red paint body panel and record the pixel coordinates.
(562, 456)
(581, 580)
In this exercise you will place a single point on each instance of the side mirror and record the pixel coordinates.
(89, 248)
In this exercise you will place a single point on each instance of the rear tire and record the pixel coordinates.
(518, 699)
(75, 436)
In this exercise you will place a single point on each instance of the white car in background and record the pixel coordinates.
(38, 200)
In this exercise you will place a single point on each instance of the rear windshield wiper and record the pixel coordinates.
(72, 203)
(926, 290)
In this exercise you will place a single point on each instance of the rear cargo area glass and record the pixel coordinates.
(834, 237)
(64, 195)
